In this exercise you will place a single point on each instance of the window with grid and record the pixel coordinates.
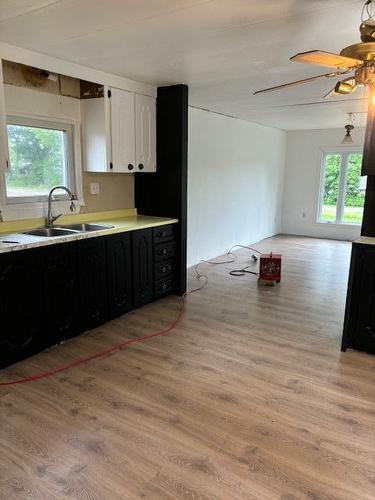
(342, 189)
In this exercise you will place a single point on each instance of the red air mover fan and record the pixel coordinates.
(269, 269)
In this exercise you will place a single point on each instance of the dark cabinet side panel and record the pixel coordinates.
(61, 294)
(142, 267)
(119, 269)
(92, 271)
(364, 335)
(21, 308)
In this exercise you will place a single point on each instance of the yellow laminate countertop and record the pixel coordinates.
(365, 240)
(20, 241)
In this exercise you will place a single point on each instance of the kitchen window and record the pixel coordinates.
(41, 155)
(342, 189)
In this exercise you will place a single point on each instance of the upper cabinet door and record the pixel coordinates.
(122, 130)
(4, 152)
(95, 133)
(145, 138)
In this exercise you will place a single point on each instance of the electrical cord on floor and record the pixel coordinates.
(245, 270)
(200, 277)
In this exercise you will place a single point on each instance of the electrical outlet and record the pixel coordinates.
(94, 188)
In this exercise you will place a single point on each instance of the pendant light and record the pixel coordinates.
(348, 139)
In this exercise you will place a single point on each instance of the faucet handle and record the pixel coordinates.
(73, 208)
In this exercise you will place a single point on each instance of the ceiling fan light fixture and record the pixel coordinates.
(348, 139)
(345, 88)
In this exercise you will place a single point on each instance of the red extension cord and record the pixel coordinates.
(106, 352)
(126, 343)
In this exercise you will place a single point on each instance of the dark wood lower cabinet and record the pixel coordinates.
(61, 297)
(92, 272)
(119, 269)
(53, 293)
(21, 313)
(143, 282)
(359, 325)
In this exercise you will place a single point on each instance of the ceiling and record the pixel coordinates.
(223, 49)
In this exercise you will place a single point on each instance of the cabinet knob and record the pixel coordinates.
(164, 251)
(130, 166)
(140, 166)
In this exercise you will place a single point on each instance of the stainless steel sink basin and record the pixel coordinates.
(86, 227)
(48, 232)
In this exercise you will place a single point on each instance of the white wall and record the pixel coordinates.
(301, 185)
(235, 183)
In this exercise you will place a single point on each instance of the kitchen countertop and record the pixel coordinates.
(365, 240)
(22, 241)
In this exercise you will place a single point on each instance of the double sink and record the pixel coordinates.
(51, 232)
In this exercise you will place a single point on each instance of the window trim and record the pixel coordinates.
(344, 151)
(68, 128)
(38, 209)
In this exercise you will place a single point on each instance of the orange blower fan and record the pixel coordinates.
(269, 269)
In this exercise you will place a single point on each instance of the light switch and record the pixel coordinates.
(94, 188)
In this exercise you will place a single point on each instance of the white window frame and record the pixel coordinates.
(36, 206)
(69, 158)
(344, 152)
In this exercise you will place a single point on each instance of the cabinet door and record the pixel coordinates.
(61, 295)
(21, 309)
(122, 130)
(142, 267)
(92, 282)
(364, 337)
(119, 268)
(145, 138)
(4, 152)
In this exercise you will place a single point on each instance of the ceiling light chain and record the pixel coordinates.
(348, 129)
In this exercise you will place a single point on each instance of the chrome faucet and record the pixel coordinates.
(51, 218)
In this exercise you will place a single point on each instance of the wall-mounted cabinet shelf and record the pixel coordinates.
(119, 132)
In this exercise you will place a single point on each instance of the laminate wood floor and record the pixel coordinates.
(249, 398)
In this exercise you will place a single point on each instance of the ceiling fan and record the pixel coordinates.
(358, 59)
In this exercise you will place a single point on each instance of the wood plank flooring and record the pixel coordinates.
(249, 398)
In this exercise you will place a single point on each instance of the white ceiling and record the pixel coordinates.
(223, 49)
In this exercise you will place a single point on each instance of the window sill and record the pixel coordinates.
(17, 211)
(343, 225)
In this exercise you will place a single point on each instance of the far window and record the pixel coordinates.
(41, 157)
(342, 189)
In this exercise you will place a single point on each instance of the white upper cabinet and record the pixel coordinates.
(96, 140)
(122, 130)
(145, 137)
(4, 152)
(119, 132)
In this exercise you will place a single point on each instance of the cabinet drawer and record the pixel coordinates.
(164, 233)
(164, 251)
(164, 269)
(164, 286)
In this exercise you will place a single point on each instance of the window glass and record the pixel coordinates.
(355, 188)
(37, 159)
(331, 180)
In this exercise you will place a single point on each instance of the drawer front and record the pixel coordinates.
(164, 251)
(164, 286)
(164, 233)
(164, 269)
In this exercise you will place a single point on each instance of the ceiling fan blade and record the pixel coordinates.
(352, 100)
(297, 82)
(328, 59)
